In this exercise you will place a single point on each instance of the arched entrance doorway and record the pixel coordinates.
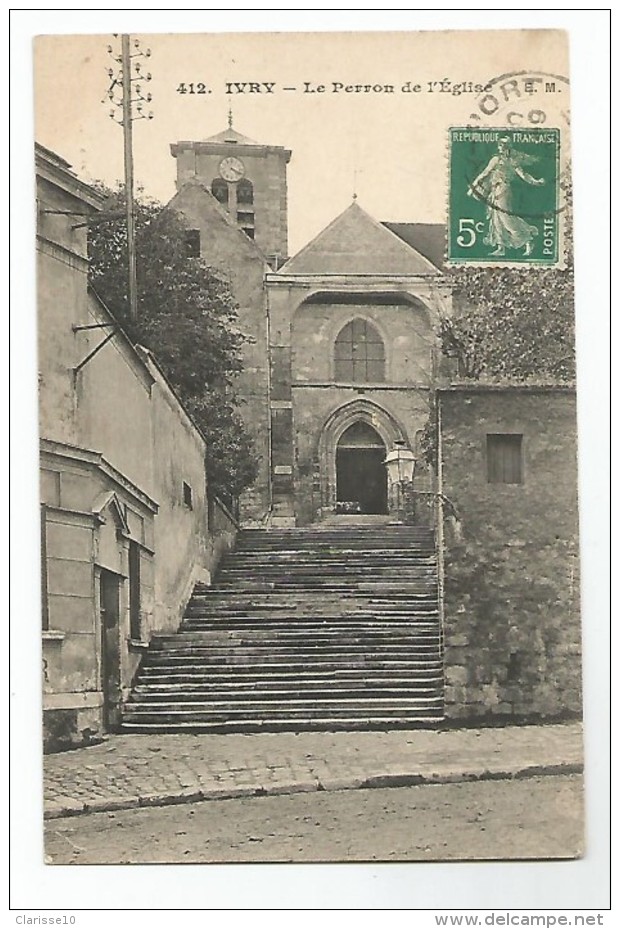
(359, 412)
(361, 477)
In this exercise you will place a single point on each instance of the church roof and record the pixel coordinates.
(427, 238)
(355, 243)
(231, 135)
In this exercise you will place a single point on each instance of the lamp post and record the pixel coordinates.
(400, 463)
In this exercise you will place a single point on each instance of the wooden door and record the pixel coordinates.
(109, 606)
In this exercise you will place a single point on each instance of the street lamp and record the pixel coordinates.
(400, 464)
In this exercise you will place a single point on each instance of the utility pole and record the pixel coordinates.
(131, 108)
(128, 145)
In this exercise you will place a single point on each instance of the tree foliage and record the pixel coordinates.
(187, 317)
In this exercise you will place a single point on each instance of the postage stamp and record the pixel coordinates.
(504, 196)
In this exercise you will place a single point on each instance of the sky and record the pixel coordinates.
(388, 148)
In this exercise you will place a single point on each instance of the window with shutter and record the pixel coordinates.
(192, 243)
(219, 189)
(505, 459)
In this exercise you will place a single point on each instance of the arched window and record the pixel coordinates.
(359, 353)
(219, 189)
(245, 191)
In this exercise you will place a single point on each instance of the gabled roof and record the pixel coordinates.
(427, 238)
(203, 200)
(355, 243)
(109, 499)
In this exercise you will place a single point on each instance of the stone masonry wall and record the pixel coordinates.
(512, 625)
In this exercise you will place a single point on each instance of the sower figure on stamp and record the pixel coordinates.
(493, 186)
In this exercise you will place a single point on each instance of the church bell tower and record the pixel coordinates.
(247, 179)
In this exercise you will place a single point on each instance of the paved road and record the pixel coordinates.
(531, 818)
(133, 770)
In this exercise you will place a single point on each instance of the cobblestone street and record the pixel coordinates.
(531, 818)
(140, 770)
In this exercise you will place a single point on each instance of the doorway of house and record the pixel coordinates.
(361, 476)
(109, 607)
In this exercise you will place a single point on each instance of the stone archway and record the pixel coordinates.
(386, 427)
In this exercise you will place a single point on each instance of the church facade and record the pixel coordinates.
(343, 352)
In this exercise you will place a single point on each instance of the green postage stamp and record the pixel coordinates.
(504, 196)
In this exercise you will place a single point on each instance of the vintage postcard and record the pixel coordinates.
(309, 553)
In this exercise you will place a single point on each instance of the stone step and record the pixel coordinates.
(297, 670)
(261, 668)
(293, 588)
(325, 723)
(357, 640)
(354, 583)
(322, 653)
(352, 575)
(302, 547)
(352, 572)
(291, 627)
(284, 684)
(266, 671)
(183, 695)
(359, 557)
(259, 709)
(337, 533)
(347, 597)
(310, 608)
(270, 678)
(345, 655)
(309, 556)
(299, 624)
(322, 628)
(311, 637)
(312, 658)
(339, 538)
(312, 612)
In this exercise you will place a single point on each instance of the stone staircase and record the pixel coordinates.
(319, 628)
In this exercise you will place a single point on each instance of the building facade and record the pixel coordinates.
(126, 524)
(343, 352)
(354, 357)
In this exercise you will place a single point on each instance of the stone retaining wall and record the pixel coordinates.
(511, 598)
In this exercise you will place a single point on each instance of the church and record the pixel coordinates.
(160, 615)
(342, 374)
(343, 351)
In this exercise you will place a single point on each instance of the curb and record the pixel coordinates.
(73, 807)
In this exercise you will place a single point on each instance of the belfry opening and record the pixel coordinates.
(361, 476)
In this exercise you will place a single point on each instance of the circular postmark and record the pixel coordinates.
(523, 99)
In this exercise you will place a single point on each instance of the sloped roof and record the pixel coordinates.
(202, 199)
(355, 243)
(231, 135)
(427, 238)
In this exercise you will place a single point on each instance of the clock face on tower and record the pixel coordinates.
(232, 169)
